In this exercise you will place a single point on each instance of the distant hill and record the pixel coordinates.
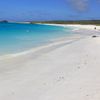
(4, 21)
(87, 22)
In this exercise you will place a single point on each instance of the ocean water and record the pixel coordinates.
(16, 38)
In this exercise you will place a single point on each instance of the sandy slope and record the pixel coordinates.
(59, 72)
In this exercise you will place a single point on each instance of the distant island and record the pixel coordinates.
(4, 21)
(84, 22)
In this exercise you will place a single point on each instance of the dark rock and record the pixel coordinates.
(94, 36)
(95, 28)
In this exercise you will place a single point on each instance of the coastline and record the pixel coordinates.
(77, 29)
(79, 26)
(54, 42)
(64, 69)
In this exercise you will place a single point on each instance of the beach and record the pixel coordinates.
(67, 69)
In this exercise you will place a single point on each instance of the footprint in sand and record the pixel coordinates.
(78, 67)
(60, 78)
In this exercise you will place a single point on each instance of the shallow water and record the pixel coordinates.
(20, 37)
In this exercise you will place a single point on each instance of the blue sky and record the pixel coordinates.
(27, 10)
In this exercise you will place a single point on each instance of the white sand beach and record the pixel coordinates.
(63, 70)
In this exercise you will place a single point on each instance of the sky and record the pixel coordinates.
(37, 10)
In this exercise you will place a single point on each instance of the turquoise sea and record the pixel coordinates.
(20, 37)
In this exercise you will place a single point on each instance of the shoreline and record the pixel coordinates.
(54, 42)
(79, 26)
(63, 70)
(76, 28)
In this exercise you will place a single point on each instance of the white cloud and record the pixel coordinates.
(79, 5)
(98, 1)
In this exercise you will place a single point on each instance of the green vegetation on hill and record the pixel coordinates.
(87, 22)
